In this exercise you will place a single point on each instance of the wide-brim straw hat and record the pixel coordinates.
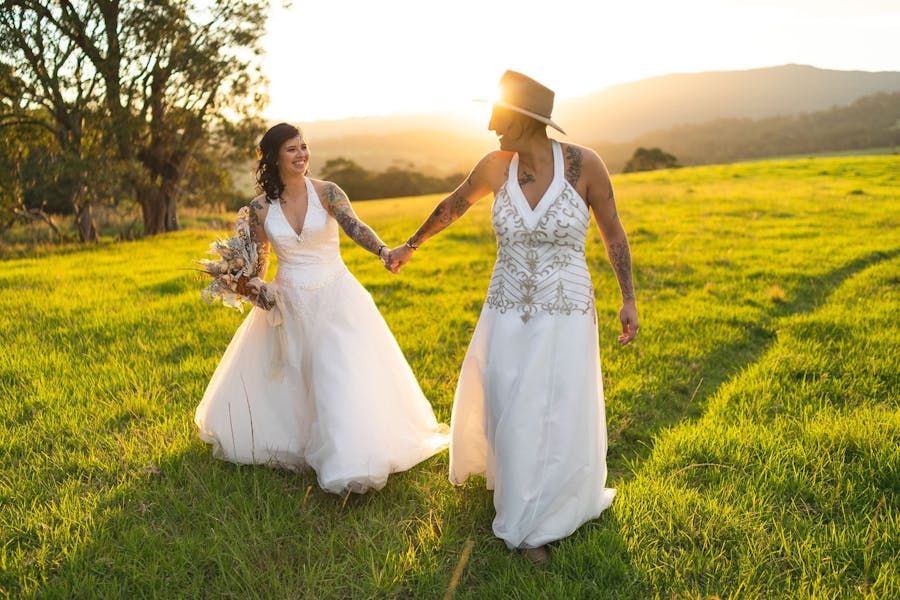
(524, 95)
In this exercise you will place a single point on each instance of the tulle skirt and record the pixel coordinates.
(319, 381)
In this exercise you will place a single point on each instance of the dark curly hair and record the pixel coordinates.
(267, 178)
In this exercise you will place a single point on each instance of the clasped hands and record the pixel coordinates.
(393, 260)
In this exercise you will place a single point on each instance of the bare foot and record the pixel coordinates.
(537, 556)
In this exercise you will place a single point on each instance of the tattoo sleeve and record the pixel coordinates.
(620, 258)
(355, 229)
(449, 210)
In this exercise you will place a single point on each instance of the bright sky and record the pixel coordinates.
(330, 59)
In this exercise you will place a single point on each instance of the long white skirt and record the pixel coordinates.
(529, 414)
(319, 381)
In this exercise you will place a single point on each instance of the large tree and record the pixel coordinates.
(55, 92)
(168, 72)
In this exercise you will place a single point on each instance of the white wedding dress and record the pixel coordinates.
(319, 380)
(529, 409)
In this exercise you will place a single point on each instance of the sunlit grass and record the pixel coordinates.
(754, 426)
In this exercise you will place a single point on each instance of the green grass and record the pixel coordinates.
(754, 426)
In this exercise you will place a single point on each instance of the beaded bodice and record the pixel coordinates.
(541, 265)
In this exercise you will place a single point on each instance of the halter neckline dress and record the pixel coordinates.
(528, 410)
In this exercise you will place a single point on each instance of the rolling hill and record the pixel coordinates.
(623, 112)
(609, 119)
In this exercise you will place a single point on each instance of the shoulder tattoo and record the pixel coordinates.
(573, 169)
(255, 208)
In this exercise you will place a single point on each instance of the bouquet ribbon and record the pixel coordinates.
(279, 358)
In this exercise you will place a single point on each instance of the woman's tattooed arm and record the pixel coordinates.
(449, 210)
(620, 258)
(258, 235)
(602, 199)
(356, 230)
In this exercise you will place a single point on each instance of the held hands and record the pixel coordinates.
(629, 318)
(396, 258)
(385, 256)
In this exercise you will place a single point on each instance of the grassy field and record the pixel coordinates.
(754, 426)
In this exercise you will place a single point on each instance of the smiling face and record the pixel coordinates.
(293, 158)
(512, 127)
(499, 123)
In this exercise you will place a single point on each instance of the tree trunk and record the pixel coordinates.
(171, 214)
(84, 218)
(153, 208)
(159, 206)
(84, 214)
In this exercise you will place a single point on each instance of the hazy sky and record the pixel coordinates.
(338, 58)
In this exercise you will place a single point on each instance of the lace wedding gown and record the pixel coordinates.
(529, 409)
(319, 380)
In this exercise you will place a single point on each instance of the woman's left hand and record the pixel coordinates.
(384, 255)
(629, 318)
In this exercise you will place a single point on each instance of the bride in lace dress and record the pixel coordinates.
(318, 379)
(529, 407)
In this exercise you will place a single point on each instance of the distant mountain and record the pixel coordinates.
(441, 144)
(622, 112)
(868, 122)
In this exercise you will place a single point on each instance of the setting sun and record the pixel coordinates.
(355, 58)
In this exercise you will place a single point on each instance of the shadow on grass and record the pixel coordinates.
(718, 367)
(190, 526)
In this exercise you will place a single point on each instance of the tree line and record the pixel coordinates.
(106, 101)
(363, 184)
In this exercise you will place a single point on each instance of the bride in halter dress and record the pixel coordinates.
(529, 408)
(319, 379)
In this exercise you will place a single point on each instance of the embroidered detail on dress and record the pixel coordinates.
(560, 304)
(498, 299)
(541, 270)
